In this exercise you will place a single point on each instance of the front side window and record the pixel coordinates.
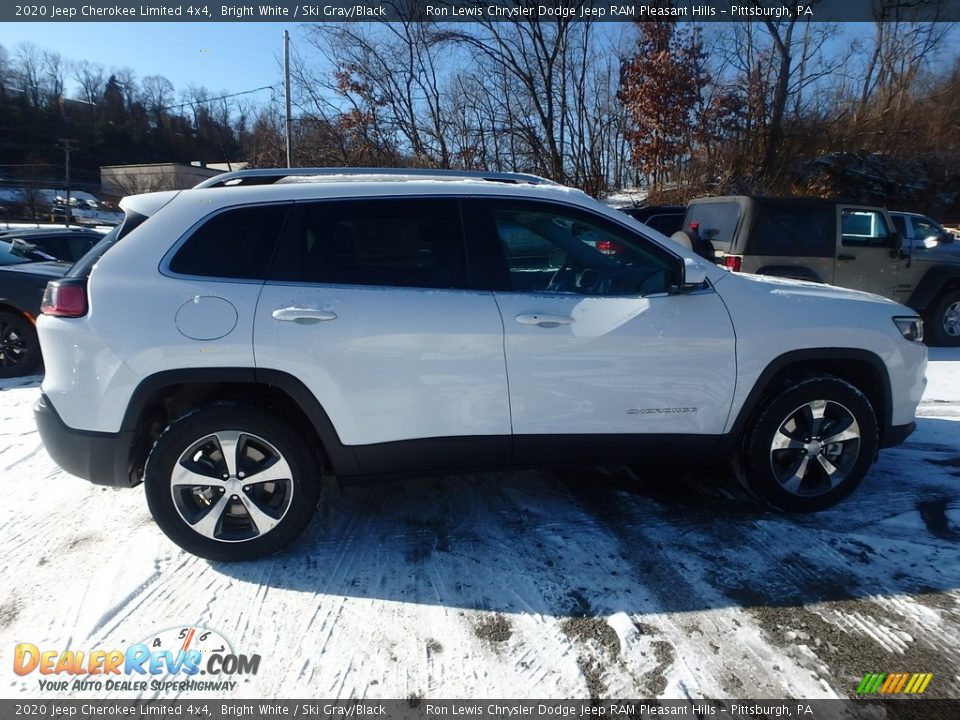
(397, 242)
(556, 250)
(236, 243)
(864, 228)
(924, 228)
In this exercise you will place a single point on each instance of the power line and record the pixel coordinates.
(221, 97)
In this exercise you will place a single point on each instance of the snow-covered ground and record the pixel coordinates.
(617, 581)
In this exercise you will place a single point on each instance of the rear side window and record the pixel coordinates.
(410, 242)
(714, 221)
(804, 230)
(236, 244)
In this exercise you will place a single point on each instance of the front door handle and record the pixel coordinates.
(543, 320)
(303, 315)
(846, 257)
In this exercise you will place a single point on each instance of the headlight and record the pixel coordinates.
(910, 327)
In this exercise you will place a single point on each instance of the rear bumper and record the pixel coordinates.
(896, 434)
(101, 458)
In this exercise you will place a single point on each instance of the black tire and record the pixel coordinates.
(285, 506)
(772, 472)
(942, 328)
(19, 346)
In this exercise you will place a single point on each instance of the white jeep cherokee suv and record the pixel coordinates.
(232, 344)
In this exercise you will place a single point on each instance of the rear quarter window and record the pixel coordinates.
(805, 231)
(237, 243)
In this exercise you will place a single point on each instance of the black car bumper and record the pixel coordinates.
(896, 434)
(101, 458)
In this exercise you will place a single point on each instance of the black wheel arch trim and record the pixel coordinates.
(813, 355)
(931, 285)
(341, 457)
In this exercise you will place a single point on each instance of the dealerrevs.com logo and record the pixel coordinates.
(170, 660)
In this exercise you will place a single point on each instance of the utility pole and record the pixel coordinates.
(286, 87)
(67, 147)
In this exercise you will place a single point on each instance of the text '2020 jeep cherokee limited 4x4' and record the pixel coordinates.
(231, 344)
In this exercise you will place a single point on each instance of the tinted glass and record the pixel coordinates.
(79, 246)
(900, 223)
(9, 258)
(236, 243)
(391, 242)
(925, 228)
(864, 228)
(55, 245)
(805, 230)
(666, 224)
(555, 250)
(715, 221)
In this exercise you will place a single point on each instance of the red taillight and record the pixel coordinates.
(64, 300)
(608, 247)
(733, 262)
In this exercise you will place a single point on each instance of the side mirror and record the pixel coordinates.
(694, 275)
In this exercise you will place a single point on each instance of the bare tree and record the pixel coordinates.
(157, 94)
(91, 79)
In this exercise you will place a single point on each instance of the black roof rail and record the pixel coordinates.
(269, 176)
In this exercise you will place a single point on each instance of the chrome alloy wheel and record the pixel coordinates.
(232, 486)
(815, 448)
(951, 319)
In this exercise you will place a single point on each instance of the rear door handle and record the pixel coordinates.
(846, 257)
(303, 315)
(543, 320)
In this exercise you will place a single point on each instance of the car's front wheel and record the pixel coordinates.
(231, 482)
(811, 445)
(943, 327)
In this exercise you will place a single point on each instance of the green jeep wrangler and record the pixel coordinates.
(846, 244)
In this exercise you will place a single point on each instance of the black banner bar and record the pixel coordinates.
(480, 11)
(423, 709)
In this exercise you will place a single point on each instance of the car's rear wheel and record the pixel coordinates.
(19, 346)
(230, 482)
(811, 446)
(943, 327)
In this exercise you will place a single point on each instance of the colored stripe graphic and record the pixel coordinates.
(915, 682)
(894, 683)
(903, 681)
